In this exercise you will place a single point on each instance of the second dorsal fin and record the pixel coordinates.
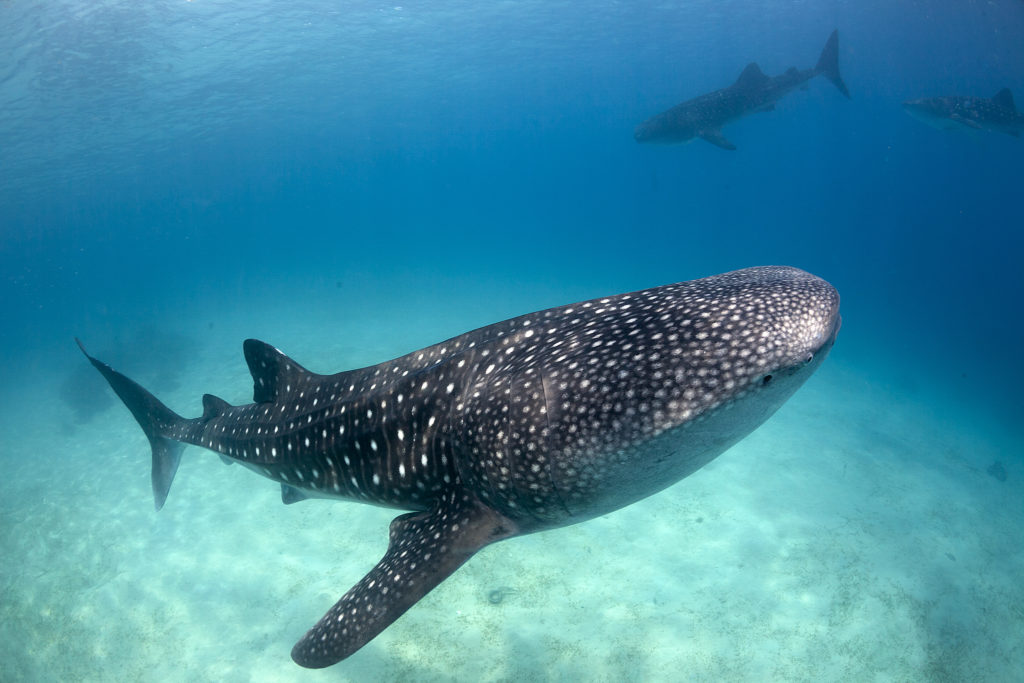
(273, 373)
(213, 407)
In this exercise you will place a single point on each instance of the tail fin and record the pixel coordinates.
(156, 420)
(828, 62)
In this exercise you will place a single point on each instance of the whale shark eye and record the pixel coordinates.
(766, 379)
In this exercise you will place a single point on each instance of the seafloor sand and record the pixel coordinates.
(856, 536)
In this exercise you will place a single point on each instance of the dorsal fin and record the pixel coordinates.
(213, 406)
(751, 76)
(1004, 98)
(273, 373)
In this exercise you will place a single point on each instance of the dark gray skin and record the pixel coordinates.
(996, 114)
(534, 423)
(703, 116)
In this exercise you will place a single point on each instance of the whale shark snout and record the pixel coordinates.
(818, 324)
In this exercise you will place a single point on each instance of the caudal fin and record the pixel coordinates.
(828, 62)
(157, 420)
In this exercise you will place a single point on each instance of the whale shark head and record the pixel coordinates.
(705, 362)
(935, 111)
(673, 127)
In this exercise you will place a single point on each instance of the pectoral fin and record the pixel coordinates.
(716, 138)
(425, 548)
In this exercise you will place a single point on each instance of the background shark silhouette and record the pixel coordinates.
(703, 116)
(996, 114)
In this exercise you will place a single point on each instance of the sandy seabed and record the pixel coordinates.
(855, 536)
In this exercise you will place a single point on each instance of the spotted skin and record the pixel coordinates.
(533, 423)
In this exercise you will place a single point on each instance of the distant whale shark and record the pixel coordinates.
(703, 117)
(534, 423)
(997, 114)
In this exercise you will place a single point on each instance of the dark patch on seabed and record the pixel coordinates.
(997, 470)
(158, 355)
(78, 393)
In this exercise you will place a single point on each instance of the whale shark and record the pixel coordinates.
(703, 116)
(995, 114)
(538, 422)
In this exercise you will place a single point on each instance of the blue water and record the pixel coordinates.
(368, 178)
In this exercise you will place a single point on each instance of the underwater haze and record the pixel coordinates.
(353, 181)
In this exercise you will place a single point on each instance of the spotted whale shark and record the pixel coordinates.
(995, 114)
(703, 116)
(534, 423)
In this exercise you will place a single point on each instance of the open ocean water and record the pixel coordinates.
(352, 181)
